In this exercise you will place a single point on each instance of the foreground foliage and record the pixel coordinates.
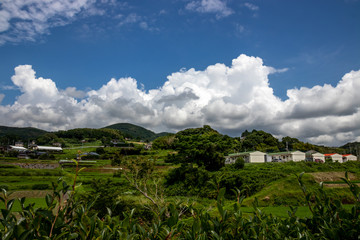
(67, 218)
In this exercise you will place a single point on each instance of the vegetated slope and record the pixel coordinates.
(23, 133)
(353, 147)
(82, 133)
(134, 131)
(286, 191)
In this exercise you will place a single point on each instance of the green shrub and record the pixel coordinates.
(239, 163)
(46, 157)
(80, 220)
(100, 150)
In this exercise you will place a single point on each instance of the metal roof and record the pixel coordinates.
(49, 148)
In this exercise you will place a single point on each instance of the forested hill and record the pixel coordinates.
(133, 131)
(249, 140)
(22, 133)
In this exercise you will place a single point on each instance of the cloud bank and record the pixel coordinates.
(229, 98)
(26, 20)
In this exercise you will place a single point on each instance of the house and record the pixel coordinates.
(334, 157)
(148, 146)
(19, 144)
(249, 157)
(314, 156)
(56, 144)
(349, 157)
(285, 156)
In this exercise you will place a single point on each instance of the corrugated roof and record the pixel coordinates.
(49, 148)
(18, 148)
(242, 153)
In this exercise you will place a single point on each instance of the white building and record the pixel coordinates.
(334, 156)
(16, 148)
(48, 149)
(295, 156)
(314, 156)
(349, 157)
(249, 157)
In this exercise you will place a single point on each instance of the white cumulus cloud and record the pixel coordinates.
(218, 7)
(229, 98)
(26, 20)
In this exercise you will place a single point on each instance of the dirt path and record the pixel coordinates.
(331, 176)
(30, 194)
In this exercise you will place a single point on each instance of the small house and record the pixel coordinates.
(249, 157)
(349, 157)
(285, 156)
(19, 144)
(314, 156)
(334, 157)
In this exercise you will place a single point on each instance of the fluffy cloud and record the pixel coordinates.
(229, 98)
(25, 20)
(210, 6)
(251, 6)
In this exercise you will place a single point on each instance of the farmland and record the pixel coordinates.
(154, 183)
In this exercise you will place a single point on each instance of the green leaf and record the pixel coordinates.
(48, 200)
(10, 204)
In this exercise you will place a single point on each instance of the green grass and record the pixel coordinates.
(26, 182)
(340, 182)
(285, 191)
(39, 202)
(280, 211)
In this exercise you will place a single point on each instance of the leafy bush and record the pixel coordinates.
(188, 180)
(90, 157)
(47, 157)
(76, 220)
(100, 150)
(239, 163)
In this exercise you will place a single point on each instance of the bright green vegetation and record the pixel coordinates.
(135, 132)
(180, 189)
(19, 133)
(76, 219)
(38, 203)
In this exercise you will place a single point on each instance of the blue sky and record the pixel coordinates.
(267, 56)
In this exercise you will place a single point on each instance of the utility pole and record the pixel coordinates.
(287, 146)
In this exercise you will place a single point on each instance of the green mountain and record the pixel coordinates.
(133, 131)
(27, 133)
(353, 148)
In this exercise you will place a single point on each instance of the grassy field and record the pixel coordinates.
(274, 198)
(39, 203)
(278, 211)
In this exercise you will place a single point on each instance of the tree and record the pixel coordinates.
(164, 142)
(203, 146)
(139, 172)
(239, 163)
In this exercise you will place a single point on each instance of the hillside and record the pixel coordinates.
(353, 148)
(134, 131)
(27, 133)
